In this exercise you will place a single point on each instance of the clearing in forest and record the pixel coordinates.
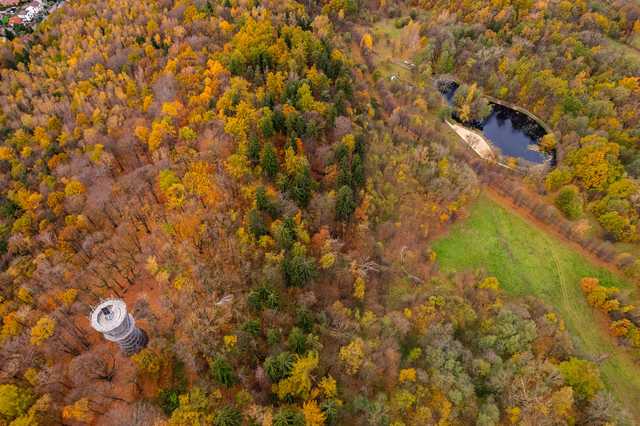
(529, 261)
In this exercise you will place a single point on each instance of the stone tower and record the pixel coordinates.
(116, 325)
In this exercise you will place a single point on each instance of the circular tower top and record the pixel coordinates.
(108, 315)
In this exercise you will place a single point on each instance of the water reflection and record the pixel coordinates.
(515, 134)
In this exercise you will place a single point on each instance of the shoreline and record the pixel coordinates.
(474, 140)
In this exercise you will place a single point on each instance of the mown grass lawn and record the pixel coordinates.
(528, 261)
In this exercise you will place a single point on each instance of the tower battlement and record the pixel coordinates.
(111, 319)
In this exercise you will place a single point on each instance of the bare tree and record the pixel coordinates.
(140, 413)
(91, 366)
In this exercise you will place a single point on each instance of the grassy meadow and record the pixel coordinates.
(528, 261)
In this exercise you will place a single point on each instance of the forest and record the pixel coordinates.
(264, 195)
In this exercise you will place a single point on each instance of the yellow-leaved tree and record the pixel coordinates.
(352, 355)
(313, 415)
(298, 384)
(43, 330)
(367, 41)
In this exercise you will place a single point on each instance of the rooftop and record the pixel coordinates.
(108, 315)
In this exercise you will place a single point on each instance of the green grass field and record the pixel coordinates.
(387, 61)
(528, 261)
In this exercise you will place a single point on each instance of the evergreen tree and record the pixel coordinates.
(288, 417)
(279, 121)
(357, 171)
(263, 203)
(330, 410)
(297, 341)
(228, 416)
(253, 152)
(263, 297)
(222, 372)
(252, 327)
(286, 233)
(266, 123)
(301, 186)
(341, 152)
(279, 366)
(269, 161)
(345, 204)
(298, 268)
(256, 224)
(344, 177)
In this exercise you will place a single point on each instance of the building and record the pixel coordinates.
(117, 325)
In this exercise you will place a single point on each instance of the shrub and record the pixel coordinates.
(252, 327)
(618, 226)
(557, 178)
(583, 376)
(168, 400)
(263, 297)
(273, 336)
(569, 202)
(401, 22)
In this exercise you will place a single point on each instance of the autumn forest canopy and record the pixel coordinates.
(263, 181)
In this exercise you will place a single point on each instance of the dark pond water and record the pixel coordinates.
(514, 133)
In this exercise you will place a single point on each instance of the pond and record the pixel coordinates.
(514, 134)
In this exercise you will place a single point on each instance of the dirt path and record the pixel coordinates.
(525, 214)
(566, 300)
